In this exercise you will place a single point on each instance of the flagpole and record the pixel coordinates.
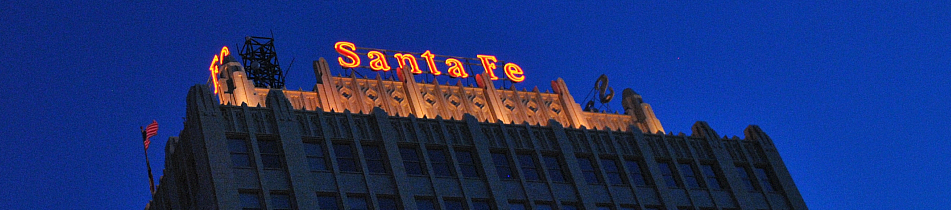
(147, 165)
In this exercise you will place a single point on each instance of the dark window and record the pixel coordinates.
(454, 204)
(502, 166)
(635, 172)
(357, 202)
(328, 202)
(569, 206)
(425, 204)
(651, 208)
(555, 172)
(589, 171)
(689, 175)
(668, 174)
(240, 155)
(709, 175)
(376, 163)
(250, 200)
(603, 207)
(481, 205)
(543, 206)
(529, 168)
(440, 162)
(612, 171)
(270, 154)
(387, 203)
(467, 163)
(280, 201)
(412, 162)
(315, 156)
(745, 176)
(765, 180)
(515, 205)
(627, 207)
(346, 158)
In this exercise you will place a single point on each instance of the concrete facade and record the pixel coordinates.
(350, 144)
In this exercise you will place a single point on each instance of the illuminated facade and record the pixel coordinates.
(359, 143)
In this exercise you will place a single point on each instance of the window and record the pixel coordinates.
(440, 162)
(628, 207)
(555, 172)
(636, 173)
(280, 201)
(569, 206)
(517, 205)
(387, 202)
(315, 156)
(376, 163)
(270, 154)
(357, 202)
(240, 155)
(765, 180)
(412, 162)
(454, 204)
(529, 168)
(689, 175)
(612, 172)
(710, 176)
(502, 166)
(543, 206)
(467, 163)
(589, 171)
(425, 204)
(328, 202)
(250, 200)
(745, 176)
(346, 158)
(668, 174)
(481, 205)
(604, 207)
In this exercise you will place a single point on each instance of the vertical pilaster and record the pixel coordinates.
(571, 164)
(777, 166)
(298, 172)
(651, 164)
(725, 161)
(482, 150)
(210, 151)
(572, 108)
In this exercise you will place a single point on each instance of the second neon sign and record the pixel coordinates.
(456, 69)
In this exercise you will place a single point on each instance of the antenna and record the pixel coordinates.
(259, 56)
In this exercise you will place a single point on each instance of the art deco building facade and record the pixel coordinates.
(357, 143)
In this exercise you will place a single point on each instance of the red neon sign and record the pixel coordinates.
(432, 64)
(377, 61)
(341, 48)
(407, 61)
(488, 62)
(218, 60)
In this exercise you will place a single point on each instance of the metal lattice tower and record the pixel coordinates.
(260, 60)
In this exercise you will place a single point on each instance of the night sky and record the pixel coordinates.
(855, 96)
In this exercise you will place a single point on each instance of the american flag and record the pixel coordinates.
(150, 131)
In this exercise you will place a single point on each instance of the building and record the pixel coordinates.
(358, 143)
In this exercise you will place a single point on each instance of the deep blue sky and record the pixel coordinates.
(855, 96)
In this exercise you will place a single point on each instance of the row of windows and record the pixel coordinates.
(280, 200)
(442, 165)
(710, 178)
(251, 200)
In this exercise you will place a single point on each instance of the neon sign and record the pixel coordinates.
(407, 61)
(218, 60)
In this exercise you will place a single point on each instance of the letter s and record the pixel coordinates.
(342, 48)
